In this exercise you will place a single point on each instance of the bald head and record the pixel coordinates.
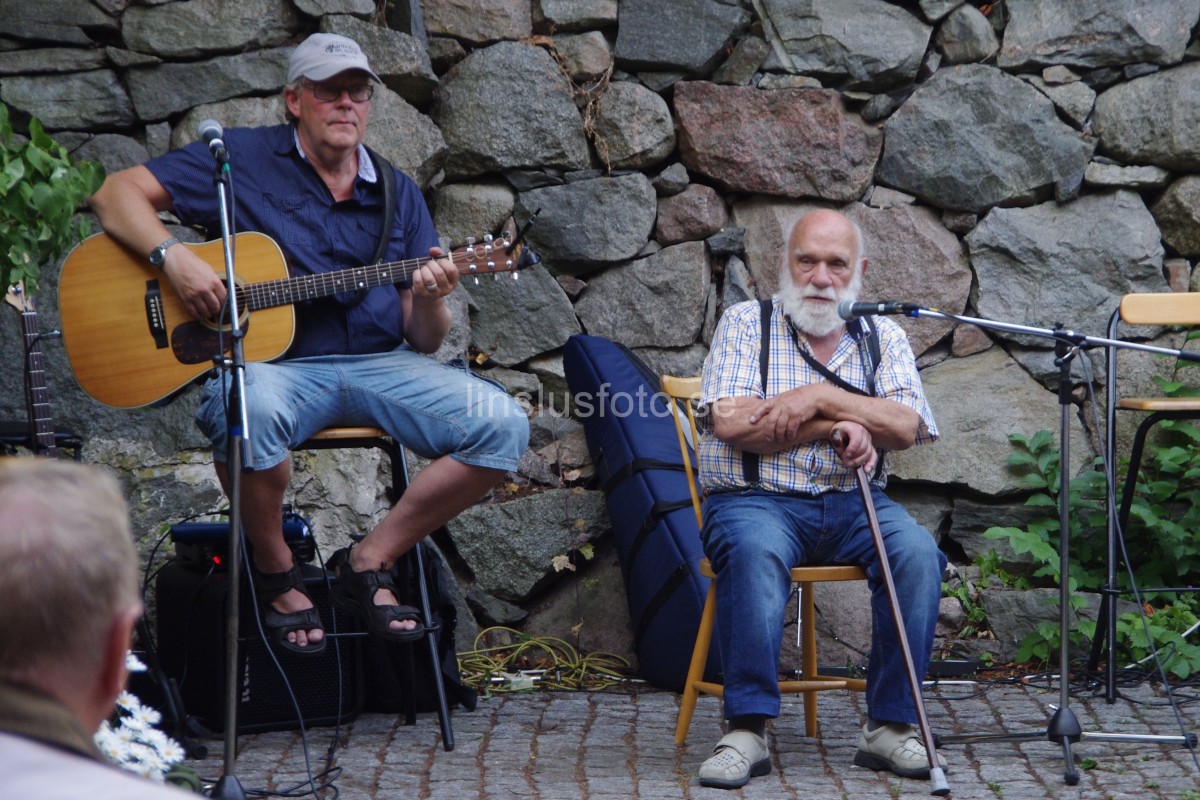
(827, 226)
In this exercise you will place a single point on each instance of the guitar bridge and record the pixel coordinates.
(155, 316)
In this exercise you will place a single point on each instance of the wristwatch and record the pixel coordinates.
(159, 254)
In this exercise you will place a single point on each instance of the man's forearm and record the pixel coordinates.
(429, 325)
(734, 424)
(808, 414)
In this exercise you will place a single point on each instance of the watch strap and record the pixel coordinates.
(159, 254)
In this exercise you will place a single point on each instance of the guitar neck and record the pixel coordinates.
(37, 394)
(475, 259)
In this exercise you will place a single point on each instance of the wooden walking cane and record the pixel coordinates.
(937, 776)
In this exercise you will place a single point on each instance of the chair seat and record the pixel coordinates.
(337, 434)
(1159, 403)
(806, 574)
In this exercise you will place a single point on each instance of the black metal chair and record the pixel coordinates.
(412, 562)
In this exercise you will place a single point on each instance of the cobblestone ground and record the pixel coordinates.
(620, 746)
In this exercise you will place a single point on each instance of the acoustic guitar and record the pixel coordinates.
(37, 393)
(131, 342)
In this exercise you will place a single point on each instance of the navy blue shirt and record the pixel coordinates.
(277, 192)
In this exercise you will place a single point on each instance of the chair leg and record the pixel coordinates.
(695, 674)
(808, 655)
(432, 637)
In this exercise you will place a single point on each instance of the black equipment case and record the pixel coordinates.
(632, 439)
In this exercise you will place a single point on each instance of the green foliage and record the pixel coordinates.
(976, 616)
(40, 188)
(1166, 627)
(1160, 539)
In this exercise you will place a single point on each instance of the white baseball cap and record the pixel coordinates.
(323, 55)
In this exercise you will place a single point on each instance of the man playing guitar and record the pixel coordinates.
(357, 357)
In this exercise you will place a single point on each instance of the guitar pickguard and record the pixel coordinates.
(197, 342)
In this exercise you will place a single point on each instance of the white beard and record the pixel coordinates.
(815, 319)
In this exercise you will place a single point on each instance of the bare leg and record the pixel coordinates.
(439, 493)
(262, 520)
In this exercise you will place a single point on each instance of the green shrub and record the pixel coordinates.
(41, 187)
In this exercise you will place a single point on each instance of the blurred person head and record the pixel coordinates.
(68, 583)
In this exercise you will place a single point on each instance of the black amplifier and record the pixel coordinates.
(190, 617)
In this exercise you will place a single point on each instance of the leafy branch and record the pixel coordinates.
(41, 186)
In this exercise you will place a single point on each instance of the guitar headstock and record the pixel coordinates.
(496, 254)
(17, 298)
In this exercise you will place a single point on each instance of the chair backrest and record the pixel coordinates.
(1144, 308)
(686, 390)
(1161, 308)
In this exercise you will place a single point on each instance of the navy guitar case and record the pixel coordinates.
(633, 444)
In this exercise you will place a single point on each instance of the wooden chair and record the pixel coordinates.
(412, 561)
(1166, 308)
(811, 681)
(1146, 308)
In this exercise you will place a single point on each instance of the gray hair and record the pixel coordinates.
(68, 566)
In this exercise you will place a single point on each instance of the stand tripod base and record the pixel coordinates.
(229, 788)
(1064, 728)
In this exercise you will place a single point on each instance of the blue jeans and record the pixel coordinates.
(431, 408)
(754, 539)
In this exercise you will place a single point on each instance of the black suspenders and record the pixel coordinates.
(750, 468)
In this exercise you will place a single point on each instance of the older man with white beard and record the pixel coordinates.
(780, 495)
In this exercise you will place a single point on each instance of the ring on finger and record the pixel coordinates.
(431, 287)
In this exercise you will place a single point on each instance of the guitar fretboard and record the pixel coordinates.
(268, 294)
(37, 393)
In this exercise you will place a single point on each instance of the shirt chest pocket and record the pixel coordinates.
(366, 231)
(293, 217)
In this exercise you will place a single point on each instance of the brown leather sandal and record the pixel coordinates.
(354, 593)
(268, 586)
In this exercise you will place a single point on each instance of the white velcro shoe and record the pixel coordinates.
(897, 748)
(738, 757)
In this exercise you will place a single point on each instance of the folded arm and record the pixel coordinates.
(809, 413)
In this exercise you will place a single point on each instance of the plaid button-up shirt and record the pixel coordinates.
(732, 370)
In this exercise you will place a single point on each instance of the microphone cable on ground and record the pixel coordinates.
(545, 662)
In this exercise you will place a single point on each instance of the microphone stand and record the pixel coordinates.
(1064, 727)
(228, 786)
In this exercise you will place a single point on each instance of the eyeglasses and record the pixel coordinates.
(359, 93)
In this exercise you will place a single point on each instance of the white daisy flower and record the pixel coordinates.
(171, 752)
(146, 715)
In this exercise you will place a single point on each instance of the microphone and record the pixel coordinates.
(211, 132)
(848, 309)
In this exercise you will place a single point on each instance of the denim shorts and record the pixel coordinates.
(431, 408)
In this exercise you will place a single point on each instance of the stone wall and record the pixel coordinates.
(1028, 165)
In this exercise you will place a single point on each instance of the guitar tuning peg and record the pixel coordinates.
(515, 275)
(488, 238)
(476, 279)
